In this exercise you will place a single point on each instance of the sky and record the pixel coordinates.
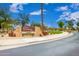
(53, 12)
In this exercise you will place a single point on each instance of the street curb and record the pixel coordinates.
(43, 41)
(5, 47)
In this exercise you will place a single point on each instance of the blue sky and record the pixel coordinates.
(53, 12)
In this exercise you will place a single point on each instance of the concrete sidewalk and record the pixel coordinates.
(7, 43)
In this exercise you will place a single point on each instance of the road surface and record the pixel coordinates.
(65, 47)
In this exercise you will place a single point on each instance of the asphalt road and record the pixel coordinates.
(65, 47)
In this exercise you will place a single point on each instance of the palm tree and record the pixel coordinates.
(1, 21)
(77, 25)
(5, 19)
(4, 14)
(42, 18)
(70, 24)
(24, 19)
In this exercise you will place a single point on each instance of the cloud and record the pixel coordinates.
(69, 16)
(62, 8)
(64, 16)
(20, 7)
(36, 12)
(16, 7)
(13, 8)
(75, 16)
(75, 6)
(66, 13)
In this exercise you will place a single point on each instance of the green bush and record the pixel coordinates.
(55, 32)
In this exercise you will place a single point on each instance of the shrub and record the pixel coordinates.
(55, 32)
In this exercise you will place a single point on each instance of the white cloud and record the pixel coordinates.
(62, 8)
(20, 7)
(75, 6)
(75, 16)
(66, 13)
(64, 16)
(69, 16)
(36, 12)
(13, 8)
(16, 7)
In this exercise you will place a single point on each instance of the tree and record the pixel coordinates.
(24, 19)
(77, 25)
(5, 20)
(1, 21)
(60, 24)
(69, 25)
(42, 18)
(4, 14)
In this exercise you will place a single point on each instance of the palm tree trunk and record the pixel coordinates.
(42, 19)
